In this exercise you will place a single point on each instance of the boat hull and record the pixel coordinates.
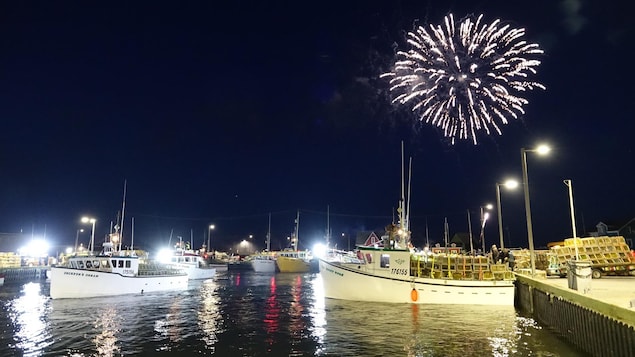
(219, 267)
(349, 282)
(73, 283)
(264, 265)
(200, 273)
(292, 265)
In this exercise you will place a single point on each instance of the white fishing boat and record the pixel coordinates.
(400, 276)
(112, 272)
(193, 264)
(394, 273)
(265, 262)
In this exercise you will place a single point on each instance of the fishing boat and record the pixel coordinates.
(192, 263)
(112, 272)
(265, 262)
(293, 260)
(394, 272)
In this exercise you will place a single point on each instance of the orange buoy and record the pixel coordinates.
(414, 295)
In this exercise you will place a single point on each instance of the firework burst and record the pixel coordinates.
(465, 78)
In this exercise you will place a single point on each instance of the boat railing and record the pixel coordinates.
(156, 268)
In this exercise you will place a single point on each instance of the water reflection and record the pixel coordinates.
(317, 312)
(28, 313)
(170, 327)
(272, 313)
(421, 330)
(107, 324)
(295, 309)
(209, 316)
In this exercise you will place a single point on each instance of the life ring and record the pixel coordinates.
(414, 295)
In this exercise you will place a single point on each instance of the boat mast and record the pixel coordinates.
(427, 237)
(328, 228)
(407, 227)
(446, 232)
(123, 211)
(132, 236)
(402, 212)
(269, 234)
(295, 234)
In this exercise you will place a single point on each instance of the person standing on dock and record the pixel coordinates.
(495, 254)
(507, 257)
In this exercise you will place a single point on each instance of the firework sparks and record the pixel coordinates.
(465, 78)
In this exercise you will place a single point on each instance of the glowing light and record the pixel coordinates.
(511, 184)
(319, 250)
(35, 248)
(465, 78)
(543, 149)
(164, 255)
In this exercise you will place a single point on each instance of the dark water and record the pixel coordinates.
(246, 314)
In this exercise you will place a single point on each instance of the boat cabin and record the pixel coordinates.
(187, 259)
(107, 261)
(124, 265)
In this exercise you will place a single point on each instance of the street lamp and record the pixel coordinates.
(575, 234)
(541, 150)
(92, 232)
(484, 217)
(509, 184)
(77, 238)
(209, 234)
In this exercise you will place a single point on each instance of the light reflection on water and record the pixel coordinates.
(248, 314)
(28, 316)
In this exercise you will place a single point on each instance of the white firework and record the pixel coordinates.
(465, 80)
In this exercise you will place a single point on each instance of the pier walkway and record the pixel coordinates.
(600, 322)
(614, 290)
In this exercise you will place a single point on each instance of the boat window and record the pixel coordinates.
(369, 257)
(127, 264)
(96, 264)
(73, 264)
(120, 263)
(80, 264)
(104, 263)
(385, 261)
(89, 264)
(114, 263)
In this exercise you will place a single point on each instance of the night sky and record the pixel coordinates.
(224, 112)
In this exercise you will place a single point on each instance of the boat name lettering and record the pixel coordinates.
(400, 261)
(399, 271)
(334, 272)
(81, 274)
(128, 271)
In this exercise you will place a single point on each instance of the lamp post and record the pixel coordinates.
(77, 238)
(575, 235)
(484, 217)
(92, 232)
(542, 150)
(209, 235)
(509, 184)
